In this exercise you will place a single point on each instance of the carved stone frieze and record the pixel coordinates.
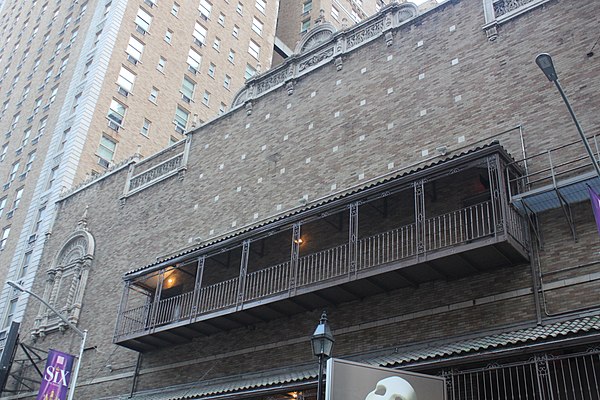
(271, 81)
(366, 33)
(316, 59)
(322, 44)
(502, 7)
(156, 172)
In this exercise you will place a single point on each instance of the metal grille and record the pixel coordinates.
(544, 377)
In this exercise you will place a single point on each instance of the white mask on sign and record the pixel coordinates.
(392, 388)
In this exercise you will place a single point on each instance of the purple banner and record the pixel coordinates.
(595, 199)
(57, 375)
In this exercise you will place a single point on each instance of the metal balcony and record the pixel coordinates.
(456, 243)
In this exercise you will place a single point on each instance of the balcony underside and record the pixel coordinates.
(470, 258)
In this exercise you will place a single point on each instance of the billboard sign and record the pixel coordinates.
(348, 380)
(57, 375)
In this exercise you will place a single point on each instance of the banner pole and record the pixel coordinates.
(73, 382)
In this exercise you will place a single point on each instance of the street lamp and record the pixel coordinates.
(82, 334)
(322, 343)
(544, 61)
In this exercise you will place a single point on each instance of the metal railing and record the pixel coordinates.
(218, 296)
(267, 282)
(459, 226)
(324, 265)
(551, 166)
(387, 247)
(545, 377)
(450, 229)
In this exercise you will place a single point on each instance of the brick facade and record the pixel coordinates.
(388, 110)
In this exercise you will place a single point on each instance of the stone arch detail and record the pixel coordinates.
(320, 34)
(66, 280)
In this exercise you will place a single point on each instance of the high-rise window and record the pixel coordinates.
(13, 172)
(4, 151)
(26, 135)
(211, 70)
(335, 14)
(153, 95)
(5, 233)
(257, 26)
(199, 34)
(181, 119)
(187, 89)
(240, 8)
(231, 56)
(217, 44)
(143, 21)
(39, 220)
(30, 160)
(37, 104)
(206, 98)
(125, 81)
(135, 48)
(205, 9)
(145, 130)
(53, 93)
(222, 19)
(42, 127)
(261, 5)
(74, 34)
(16, 118)
(10, 311)
(227, 82)
(304, 25)
(116, 112)
(250, 72)
(64, 139)
(25, 264)
(175, 9)
(106, 150)
(194, 59)
(25, 92)
(254, 49)
(162, 63)
(307, 6)
(236, 31)
(168, 36)
(17, 199)
(2, 205)
(51, 177)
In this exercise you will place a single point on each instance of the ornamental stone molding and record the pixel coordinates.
(323, 45)
(498, 12)
(320, 34)
(66, 280)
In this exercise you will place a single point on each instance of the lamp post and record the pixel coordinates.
(544, 61)
(82, 334)
(322, 343)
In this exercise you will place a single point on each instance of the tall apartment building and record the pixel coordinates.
(416, 175)
(87, 84)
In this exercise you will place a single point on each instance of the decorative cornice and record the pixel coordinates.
(323, 45)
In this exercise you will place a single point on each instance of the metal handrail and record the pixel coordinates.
(442, 231)
(553, 164)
